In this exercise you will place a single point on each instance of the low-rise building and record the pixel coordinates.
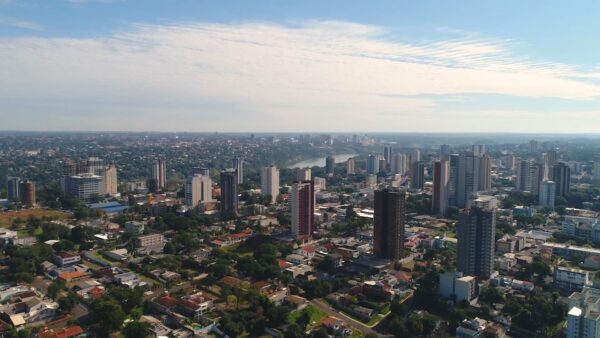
(150, 240)
(463, 288)
(570, 280)
(583, 316)
(66, 258)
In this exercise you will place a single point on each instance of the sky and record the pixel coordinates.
(300, 66)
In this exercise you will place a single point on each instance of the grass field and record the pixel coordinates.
(6, 218)
(314, 313)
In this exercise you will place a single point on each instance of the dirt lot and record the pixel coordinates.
(7, 217)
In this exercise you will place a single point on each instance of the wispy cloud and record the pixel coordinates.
(326, 75)
(15, 22)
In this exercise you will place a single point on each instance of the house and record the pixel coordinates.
(295, 259)
(66, 258)
(23, 241)
(298, 270)
(70, 276)
(116, 255)
(297, 302)
(90, 294)
(195, 307)
(307, 251)
(134, 227)
(129, 279)
(69, 332)
(165, 303)
(333, 323)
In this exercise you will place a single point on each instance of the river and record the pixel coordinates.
(320, 162)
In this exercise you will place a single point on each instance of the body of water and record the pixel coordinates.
(320, 162)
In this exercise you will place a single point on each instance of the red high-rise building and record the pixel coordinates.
(303, 209)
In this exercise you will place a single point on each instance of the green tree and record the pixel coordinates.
(108, 314)
(136, 329)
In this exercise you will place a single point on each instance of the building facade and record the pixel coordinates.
(269, 182)
(475, 248)
(389, 220)
(229, 190)
(303, 209)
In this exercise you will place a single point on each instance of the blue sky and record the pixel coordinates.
(393, 66)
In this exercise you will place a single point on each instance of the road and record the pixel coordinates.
(355, 324)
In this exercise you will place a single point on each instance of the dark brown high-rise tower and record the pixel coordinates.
(389, 223)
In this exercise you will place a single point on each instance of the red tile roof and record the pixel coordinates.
(68, 332)
(166, 301)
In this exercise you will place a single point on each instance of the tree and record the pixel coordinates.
(127, 298)
(415, 325)
(230, 327)
(135, 329)
(491, 295)
(54, 288)
(66, 304)
(169, 249)
(108, 314)
(294, 331)
(398, 328)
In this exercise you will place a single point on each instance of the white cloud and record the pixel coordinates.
(15, 22)
(319, 75)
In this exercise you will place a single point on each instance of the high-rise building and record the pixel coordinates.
(468, 175)
(399, 164)
(200, 171)
(13, 188)
(596, 170)
(303, 209)
(330, 165)
(387, 154)
(485, 173)
(415, 156)
(561, 174)
(269, 182)
(550, 159)
(84, 187)
(475, 247)
(28, 192)
(417, 172)
(529, 176)
(547, 193)
(229, 190)
(533, 146)
(453, 160)
(389, 220)
(198, 188)
(350, 166)
(373, 164)
(238, 164)
(441, 171)
(478, 149)
(109, 180)
(94, 165)
(69, 168)
(319, 183)
(583, 320)
(444, 150)
(159, 173)
(303, 174)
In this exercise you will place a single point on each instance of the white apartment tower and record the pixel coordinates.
(198, 188)
(269, 182)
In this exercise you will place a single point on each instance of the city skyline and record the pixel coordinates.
(383, 67)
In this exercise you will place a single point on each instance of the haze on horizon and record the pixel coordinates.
(265, 66)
